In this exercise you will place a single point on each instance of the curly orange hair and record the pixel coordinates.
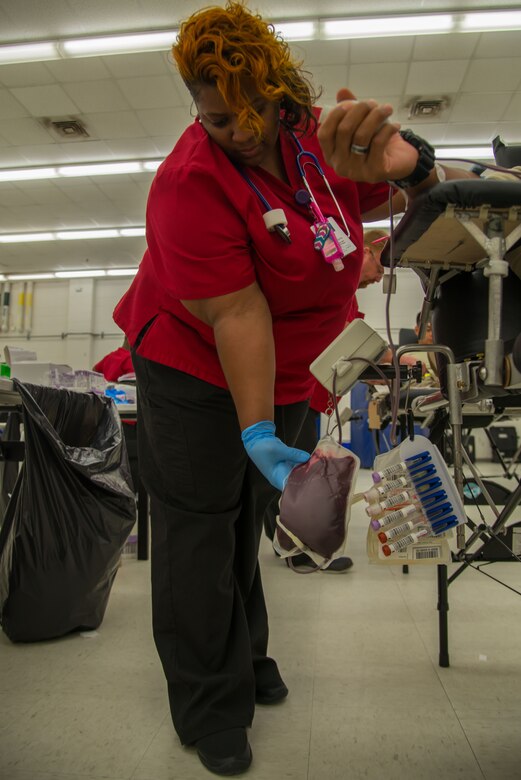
(222, 46)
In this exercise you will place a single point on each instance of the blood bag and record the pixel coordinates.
(315, 504)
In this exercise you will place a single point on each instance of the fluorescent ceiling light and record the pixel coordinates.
(303, 29)
(27, 277)
(19, 238)
(132, 232)
(80, 171)
(11, 53)
(491, 21)
(77, 235)
(26, 174)
(119, 44)
(79, 274)
(83, 274)
(151, 165)
(464, 152)
(387, 26)
(73, 235)
(296, 31)
(101, 169)
(121, 271)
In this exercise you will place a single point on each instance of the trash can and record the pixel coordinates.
(70, 513)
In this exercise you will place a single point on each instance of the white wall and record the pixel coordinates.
(63, 308)
(406, 302)
(86, 305)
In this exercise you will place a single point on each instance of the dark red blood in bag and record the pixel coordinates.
(314, 501)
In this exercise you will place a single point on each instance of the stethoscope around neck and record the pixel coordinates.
(275, 219)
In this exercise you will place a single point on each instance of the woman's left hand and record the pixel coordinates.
(364, 124)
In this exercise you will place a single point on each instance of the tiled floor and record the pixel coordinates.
(358, 651)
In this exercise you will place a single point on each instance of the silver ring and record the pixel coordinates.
(356, 149)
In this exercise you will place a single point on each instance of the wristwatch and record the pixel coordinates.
(426, 160)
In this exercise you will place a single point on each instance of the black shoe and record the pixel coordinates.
(271, 694)
(339, 565)
(226, 752)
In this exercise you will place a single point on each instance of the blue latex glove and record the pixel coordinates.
(271, 456)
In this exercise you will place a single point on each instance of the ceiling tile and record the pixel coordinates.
(61, 154)
(85, 151)
(430, 130)
(381, 49)
(26, 74)
(427, 79)
(469, 132)
(10, 108)
(314, 53)
(452, 46)
(510, 132)
(123, 148)
(472, 106)
(150, 92)
(184, 95)
(81, 190)
(117, 124)
(48, 195)
(12, 196)
(43, 154)
(92, 96)
(163, 121)
(499, 44)
(512, 113)
(11, 156)
(504, 75)
(47, 100)
(123, 66)
(165, 144)
(118, 188)
(83, 69)
(329, 79)
(377, 78)
(24, 131)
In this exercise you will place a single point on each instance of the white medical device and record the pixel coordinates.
(358, 340)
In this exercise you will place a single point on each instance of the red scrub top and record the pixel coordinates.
(206, 237)
(115, 364)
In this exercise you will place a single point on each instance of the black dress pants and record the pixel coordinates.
(207, 503)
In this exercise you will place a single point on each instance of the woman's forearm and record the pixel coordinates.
(246, 351)
(243, 333)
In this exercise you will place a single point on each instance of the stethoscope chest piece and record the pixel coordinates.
(275, 221)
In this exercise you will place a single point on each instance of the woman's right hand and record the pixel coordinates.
(272, 457)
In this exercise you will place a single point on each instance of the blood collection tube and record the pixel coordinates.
(401, 544)
(400, 530)
(402, 467)
(387, 518)
(384, 488)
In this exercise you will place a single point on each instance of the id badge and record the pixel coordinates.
(341, 236)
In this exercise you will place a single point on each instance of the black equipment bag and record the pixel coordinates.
(71, 511)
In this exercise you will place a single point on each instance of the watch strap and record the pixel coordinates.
(425, 164)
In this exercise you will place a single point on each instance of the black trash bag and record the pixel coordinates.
(9, 468)
(71, 511)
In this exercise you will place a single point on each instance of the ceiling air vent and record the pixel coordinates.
(427, 108)
(68, 129)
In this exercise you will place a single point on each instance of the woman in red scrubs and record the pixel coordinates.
(224, 318)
